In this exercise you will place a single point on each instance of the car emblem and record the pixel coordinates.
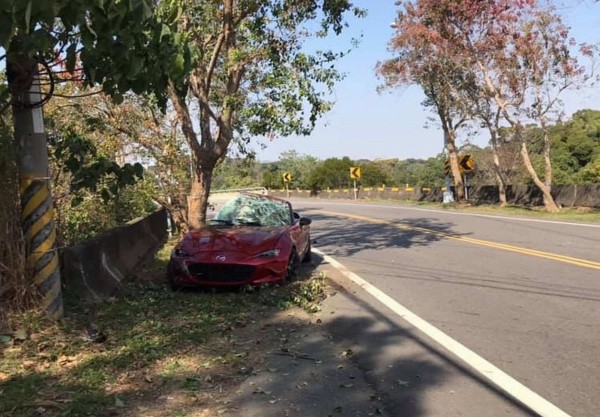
(221, 258)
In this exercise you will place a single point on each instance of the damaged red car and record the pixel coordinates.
(254, 239)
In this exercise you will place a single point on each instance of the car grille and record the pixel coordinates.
(222, 273)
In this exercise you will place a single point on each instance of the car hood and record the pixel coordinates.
(248, 239)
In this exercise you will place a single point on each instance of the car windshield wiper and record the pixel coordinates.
(248, 223)
(222, 221)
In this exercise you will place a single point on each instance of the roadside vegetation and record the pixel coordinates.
(575, 159)
(151, 351)
(144, 99)
(503, 76)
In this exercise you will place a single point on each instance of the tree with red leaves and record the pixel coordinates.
(513, 56)
(417, 62)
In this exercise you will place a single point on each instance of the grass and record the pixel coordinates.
(579, 214)
(158, 343)
(586, 215)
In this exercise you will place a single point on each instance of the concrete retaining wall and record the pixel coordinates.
(524, 195)
(97, 267)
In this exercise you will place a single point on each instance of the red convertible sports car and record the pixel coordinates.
(254, 239)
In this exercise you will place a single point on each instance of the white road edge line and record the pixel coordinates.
(499, 378)
(489, 216)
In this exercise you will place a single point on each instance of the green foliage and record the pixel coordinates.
(272, 177)
(373, 174)
(310, 294)
(236, 173)
(300, 166)
(92, 192)
(92, 215)
(77, 156)
(310, 173)
(591, 173)
(575, 145)
(113, 40)
(431, 173)
(332, 173)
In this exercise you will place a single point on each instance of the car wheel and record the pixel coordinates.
(308, 254)
(170, 280)
(293, 267)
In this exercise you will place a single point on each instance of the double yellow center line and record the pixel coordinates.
(444, 235)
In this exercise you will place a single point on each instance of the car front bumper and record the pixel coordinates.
(184, 272)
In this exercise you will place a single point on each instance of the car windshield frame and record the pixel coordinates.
(254, 210)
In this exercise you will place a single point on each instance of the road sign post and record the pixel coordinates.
(466, 165)
(287, 177)
(354, 175)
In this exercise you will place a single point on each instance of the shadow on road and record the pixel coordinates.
(349, 237)
(404, 381)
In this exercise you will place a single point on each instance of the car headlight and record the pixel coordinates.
(180, 253)
(269, 254)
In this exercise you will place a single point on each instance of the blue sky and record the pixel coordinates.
(366, 124)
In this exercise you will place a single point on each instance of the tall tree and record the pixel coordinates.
(418, 62)
(250, 75)
(517, 52)
(484, 109)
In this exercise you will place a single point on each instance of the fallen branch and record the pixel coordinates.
(296, 355)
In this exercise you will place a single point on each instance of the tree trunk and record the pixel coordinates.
(453, 154)
(198, 198)
(548, 199)
(547, 162)
(497, 170)
(180, 219)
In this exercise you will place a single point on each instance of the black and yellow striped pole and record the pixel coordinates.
(37, 214)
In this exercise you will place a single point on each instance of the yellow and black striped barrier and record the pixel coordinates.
(37, 218)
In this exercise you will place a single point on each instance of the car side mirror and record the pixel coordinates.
(296, 215)
(305, 221)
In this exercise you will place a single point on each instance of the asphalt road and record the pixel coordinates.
(525, 295)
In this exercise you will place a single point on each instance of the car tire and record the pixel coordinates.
(308, 255)
(293, 266)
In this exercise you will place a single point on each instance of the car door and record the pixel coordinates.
(301, 234)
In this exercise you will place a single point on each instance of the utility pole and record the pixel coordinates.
(37, 211)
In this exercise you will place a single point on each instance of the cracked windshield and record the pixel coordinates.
(253, 211)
